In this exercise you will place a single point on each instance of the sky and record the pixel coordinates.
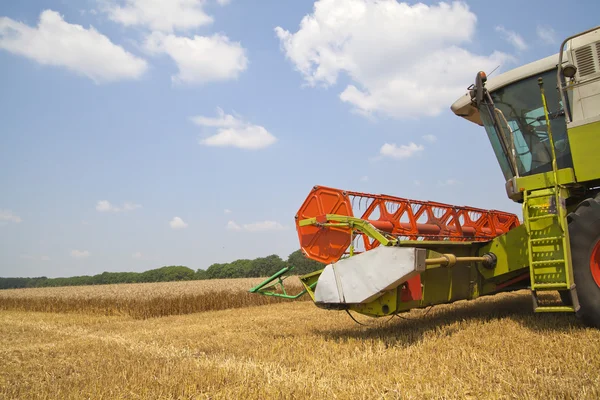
(141, 133)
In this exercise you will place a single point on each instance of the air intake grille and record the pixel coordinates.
(585, 60)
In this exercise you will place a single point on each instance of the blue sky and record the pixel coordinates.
(141, 133)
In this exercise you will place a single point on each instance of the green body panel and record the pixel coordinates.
(444, 285)
(585, 149)
(384, 305)
(511, 251)
(544, 180)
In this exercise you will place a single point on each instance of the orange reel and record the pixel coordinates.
(403, 218)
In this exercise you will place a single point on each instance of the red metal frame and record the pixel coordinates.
(403, 218)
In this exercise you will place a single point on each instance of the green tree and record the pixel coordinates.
(201, 274)
(302, 264)
(266, 266)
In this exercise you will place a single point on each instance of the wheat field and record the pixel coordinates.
(494, 347)
(142, 300)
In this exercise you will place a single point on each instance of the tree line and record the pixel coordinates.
(262, 266)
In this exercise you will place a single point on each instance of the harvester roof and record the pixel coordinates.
(463, 106)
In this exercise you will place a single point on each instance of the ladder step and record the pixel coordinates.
(550, 286)
(541, 217)
(537, 196)
(539, 207)
(546, 239)
(542, 309)
(549, 262)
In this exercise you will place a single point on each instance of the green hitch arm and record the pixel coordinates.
(269, 286)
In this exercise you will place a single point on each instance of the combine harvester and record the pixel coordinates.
(386, 255)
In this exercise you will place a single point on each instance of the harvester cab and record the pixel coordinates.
(533, 134)
(384, 255)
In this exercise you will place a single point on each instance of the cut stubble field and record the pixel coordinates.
(494, 347)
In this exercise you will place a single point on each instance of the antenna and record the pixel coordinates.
(494, 70)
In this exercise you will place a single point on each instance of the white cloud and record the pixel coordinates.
(364, 178)
(403, 60)
(84, 51)
(137, 255)
(9, 216)
(250, 137)
(80, 253)
(45, 258)
(177, 223)
(402, 151)
(261, 226)
(234, 132)
(546, 34)
(223, 2)
(106, 206)
(513, 38)
(159, 15)
(417, 182)
(200, 59)
(232, 226)
(227, 211)
(430, 138)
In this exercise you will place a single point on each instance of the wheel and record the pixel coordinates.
(584, 235)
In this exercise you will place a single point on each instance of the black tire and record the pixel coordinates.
(584, 235)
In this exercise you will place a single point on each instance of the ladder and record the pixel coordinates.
(548, 246)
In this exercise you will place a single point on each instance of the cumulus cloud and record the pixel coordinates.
(80, 253)
(400, 152)
(9, 216)
(137, 255)
(106, 206)
(513, 38)
(232, 226)
(223, 2)
(200, 59)
(546, 34)
(159, 15)
(403, 60)
(261, 226)
(430, 138)
(234, 132)
(178, 223)
(84, 51)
